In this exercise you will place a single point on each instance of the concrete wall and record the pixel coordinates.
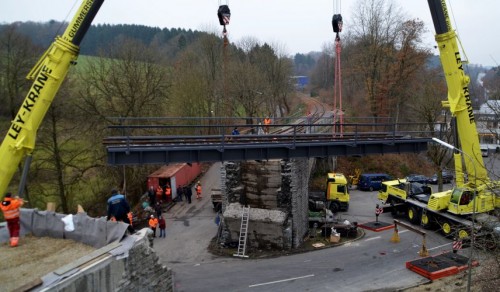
(140, 271)
(265, 228)
(132, 266)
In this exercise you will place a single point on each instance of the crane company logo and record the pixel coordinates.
(30, 101)
(469, 105)
(465, 90)
(81, 17)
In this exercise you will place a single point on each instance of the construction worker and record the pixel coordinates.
(180, 193)
(159, 193)
(162, 225)
(118, 209)
(152, 196)
(10, 208)
(267, 122)
(168, 193)
(198, 190)
(188, 193)
(130, 217)
(153, 223)
(158, 209)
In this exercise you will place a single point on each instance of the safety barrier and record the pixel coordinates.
(96, 232)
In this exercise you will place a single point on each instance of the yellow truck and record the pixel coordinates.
(335, 197)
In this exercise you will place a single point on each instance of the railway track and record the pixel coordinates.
(244, 139)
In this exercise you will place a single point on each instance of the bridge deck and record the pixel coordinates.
(161, 144)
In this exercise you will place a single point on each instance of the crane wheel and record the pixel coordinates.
(425, 221)
(413, 215)
(447, 228)
(463, 233)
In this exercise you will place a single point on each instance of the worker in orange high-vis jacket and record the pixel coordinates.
(267, 122)
(168, 193)
(10, 208)
(198, 190)
(153, 223)
(159, 193)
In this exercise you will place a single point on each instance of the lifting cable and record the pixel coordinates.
(224, 15)
(337, 84)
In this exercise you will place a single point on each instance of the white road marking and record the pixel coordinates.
(378, 237)
(279, 281)
(440, 246)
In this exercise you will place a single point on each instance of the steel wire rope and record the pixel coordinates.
(59, 29)
(456, 31)
(337, 83)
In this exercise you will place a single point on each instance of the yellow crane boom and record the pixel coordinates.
(47, 75)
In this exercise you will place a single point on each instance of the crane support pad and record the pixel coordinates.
(376, 226)
(440, 266)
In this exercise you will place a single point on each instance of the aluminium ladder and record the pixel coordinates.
(245, 216)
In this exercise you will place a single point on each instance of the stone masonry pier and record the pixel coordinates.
(276, 192)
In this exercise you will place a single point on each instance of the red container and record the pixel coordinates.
(175, 174)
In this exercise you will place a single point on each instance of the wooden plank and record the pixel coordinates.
(81, 261)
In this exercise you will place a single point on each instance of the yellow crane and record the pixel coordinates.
(47, 75)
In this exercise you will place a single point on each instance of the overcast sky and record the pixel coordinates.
(298, 26)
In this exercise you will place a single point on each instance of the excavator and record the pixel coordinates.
(47, 75)
(472, 201)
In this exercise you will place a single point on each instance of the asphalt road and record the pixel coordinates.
(371, 263)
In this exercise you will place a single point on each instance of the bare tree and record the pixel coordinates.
(491, 82)
(17, 56)
(277, 68)
(249, 88)
(426, 108)
(128, 80)
(198, 82)
(377, 25)
(322, 75)
(401, 73)
(64, 155)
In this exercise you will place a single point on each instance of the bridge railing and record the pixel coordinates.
(131, 131)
